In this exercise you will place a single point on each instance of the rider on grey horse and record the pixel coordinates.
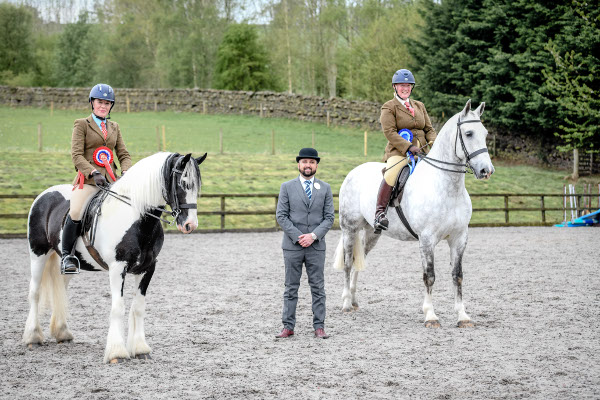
(398, 114)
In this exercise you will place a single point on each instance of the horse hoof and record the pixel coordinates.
(355, 307)
(432, 324)
(347, 310)
(117, 360)
(143, 357)
(32, 346)
(466, 324)
(65, 341)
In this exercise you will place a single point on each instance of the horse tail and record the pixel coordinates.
(358, 252)
(338, 258)
(53, 293)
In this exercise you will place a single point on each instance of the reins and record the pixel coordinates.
(469, 156)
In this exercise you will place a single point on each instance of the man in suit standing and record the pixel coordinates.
(305, 213)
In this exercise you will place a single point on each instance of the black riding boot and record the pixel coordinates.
(383, 199)
(69, 263)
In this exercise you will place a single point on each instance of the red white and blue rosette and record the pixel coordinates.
(103, 157)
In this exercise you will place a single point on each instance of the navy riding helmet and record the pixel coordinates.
(403, 76)
(104, 92)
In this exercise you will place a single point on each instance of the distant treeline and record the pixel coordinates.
(536, 64)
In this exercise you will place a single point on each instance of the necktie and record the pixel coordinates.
(104, 131)
(307, 189)
(409, 108)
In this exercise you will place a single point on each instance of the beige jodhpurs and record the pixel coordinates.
(393, 166)
(80, 199)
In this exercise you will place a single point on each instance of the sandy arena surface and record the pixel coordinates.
(214, 306)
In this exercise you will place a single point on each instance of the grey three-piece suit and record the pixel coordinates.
(297, 215)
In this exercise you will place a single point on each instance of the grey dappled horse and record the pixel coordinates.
(435, 203)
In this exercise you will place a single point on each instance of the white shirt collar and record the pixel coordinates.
(302, 180)
(402, 101)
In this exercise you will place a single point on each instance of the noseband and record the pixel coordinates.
(469, 156)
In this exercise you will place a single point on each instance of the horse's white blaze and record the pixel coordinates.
(435, 203)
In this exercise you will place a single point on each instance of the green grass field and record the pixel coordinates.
(245, 166)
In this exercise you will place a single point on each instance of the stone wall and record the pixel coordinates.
(361, 114)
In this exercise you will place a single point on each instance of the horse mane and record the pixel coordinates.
(144, 182)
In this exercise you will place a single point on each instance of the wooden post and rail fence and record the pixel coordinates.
(505, 210)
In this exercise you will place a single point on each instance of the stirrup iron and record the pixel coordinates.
(72, 258)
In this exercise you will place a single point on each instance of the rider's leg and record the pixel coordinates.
(71, 230)
(393, 167)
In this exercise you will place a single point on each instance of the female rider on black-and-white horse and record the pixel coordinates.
(410, 116)
(94, 144)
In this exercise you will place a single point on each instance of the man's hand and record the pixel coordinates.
(305, 240)
(99, 179)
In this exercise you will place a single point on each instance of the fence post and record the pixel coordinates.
(127, 101)
(155, 106)
(203, 106)
(164, 139)
(40, 137)
(365, 143)
(494, 145)
(157, 138)
(221, 140)
(272, 141)
(51, 108)
(276, 202)
(543, 210)
(506, 209)
(328, 118)
(222, 212)
(261, 108)
(313, 138)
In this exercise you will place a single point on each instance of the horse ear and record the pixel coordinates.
(185, 159)
(200, 159)
(466, 110)
(479, 109)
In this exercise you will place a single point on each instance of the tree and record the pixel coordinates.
(15, 41)
(573, 83)
(242, 63)
(76, 54)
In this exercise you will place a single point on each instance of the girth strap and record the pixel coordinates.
(405, 221)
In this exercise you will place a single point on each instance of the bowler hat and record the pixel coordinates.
(308, 152)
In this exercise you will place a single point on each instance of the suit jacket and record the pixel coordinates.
(395, 116)
(297, 215)
(87, 137)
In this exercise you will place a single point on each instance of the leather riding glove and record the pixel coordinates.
(414, 149)
(99, 179)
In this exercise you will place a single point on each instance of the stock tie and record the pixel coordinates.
(307, 190)
(104, 131)
(412, 110)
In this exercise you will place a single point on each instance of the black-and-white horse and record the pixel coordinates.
(128, 238)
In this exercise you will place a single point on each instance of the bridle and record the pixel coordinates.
(171, 199)
(469, 156)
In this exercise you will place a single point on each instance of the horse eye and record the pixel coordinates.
(469, 133)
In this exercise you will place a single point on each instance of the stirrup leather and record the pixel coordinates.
(63, 267)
